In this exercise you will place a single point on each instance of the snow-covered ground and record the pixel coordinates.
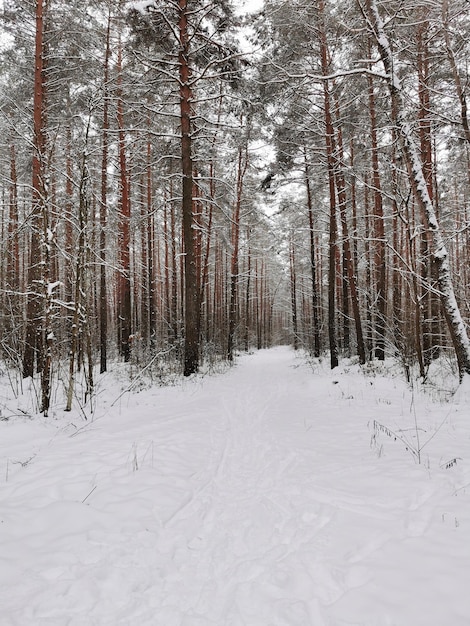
(264, 496)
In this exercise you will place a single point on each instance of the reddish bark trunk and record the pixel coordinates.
(379, 231)
(103, 218)
(33, 351)
(123, 280)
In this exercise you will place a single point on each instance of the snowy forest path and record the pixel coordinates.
(248, 498)
(263, 516)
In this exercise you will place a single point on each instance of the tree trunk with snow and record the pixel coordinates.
(124, 298)
(311, 229)
(235, 262)
(329, 142)
(191, 313)
(33, 350)
(420, 189)
(103, 213)
(378, 243)
(293, 295)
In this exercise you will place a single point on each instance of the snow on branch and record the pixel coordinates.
(357, 71)
(142, 6)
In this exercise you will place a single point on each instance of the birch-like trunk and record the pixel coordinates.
(417, 178)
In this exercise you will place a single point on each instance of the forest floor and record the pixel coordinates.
(276, 493)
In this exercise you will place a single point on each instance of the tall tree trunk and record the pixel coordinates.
(398, 297)
(258, 305)
(167, 277)
(143, 266)
(369, 264)
(47, 338)
(13, 254)
(191, 313)
(311, 224)
(329, 140)
(103, 301)
(293, 294)
(152, 312)
(353, 204)
(417, 320)
(174, 278)
(69, 212)
(379, 231)
(234, 266)
(205, 278)
(33, 350)
(10, 275)
(124, 275)
(430, 350)
(247, 294)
